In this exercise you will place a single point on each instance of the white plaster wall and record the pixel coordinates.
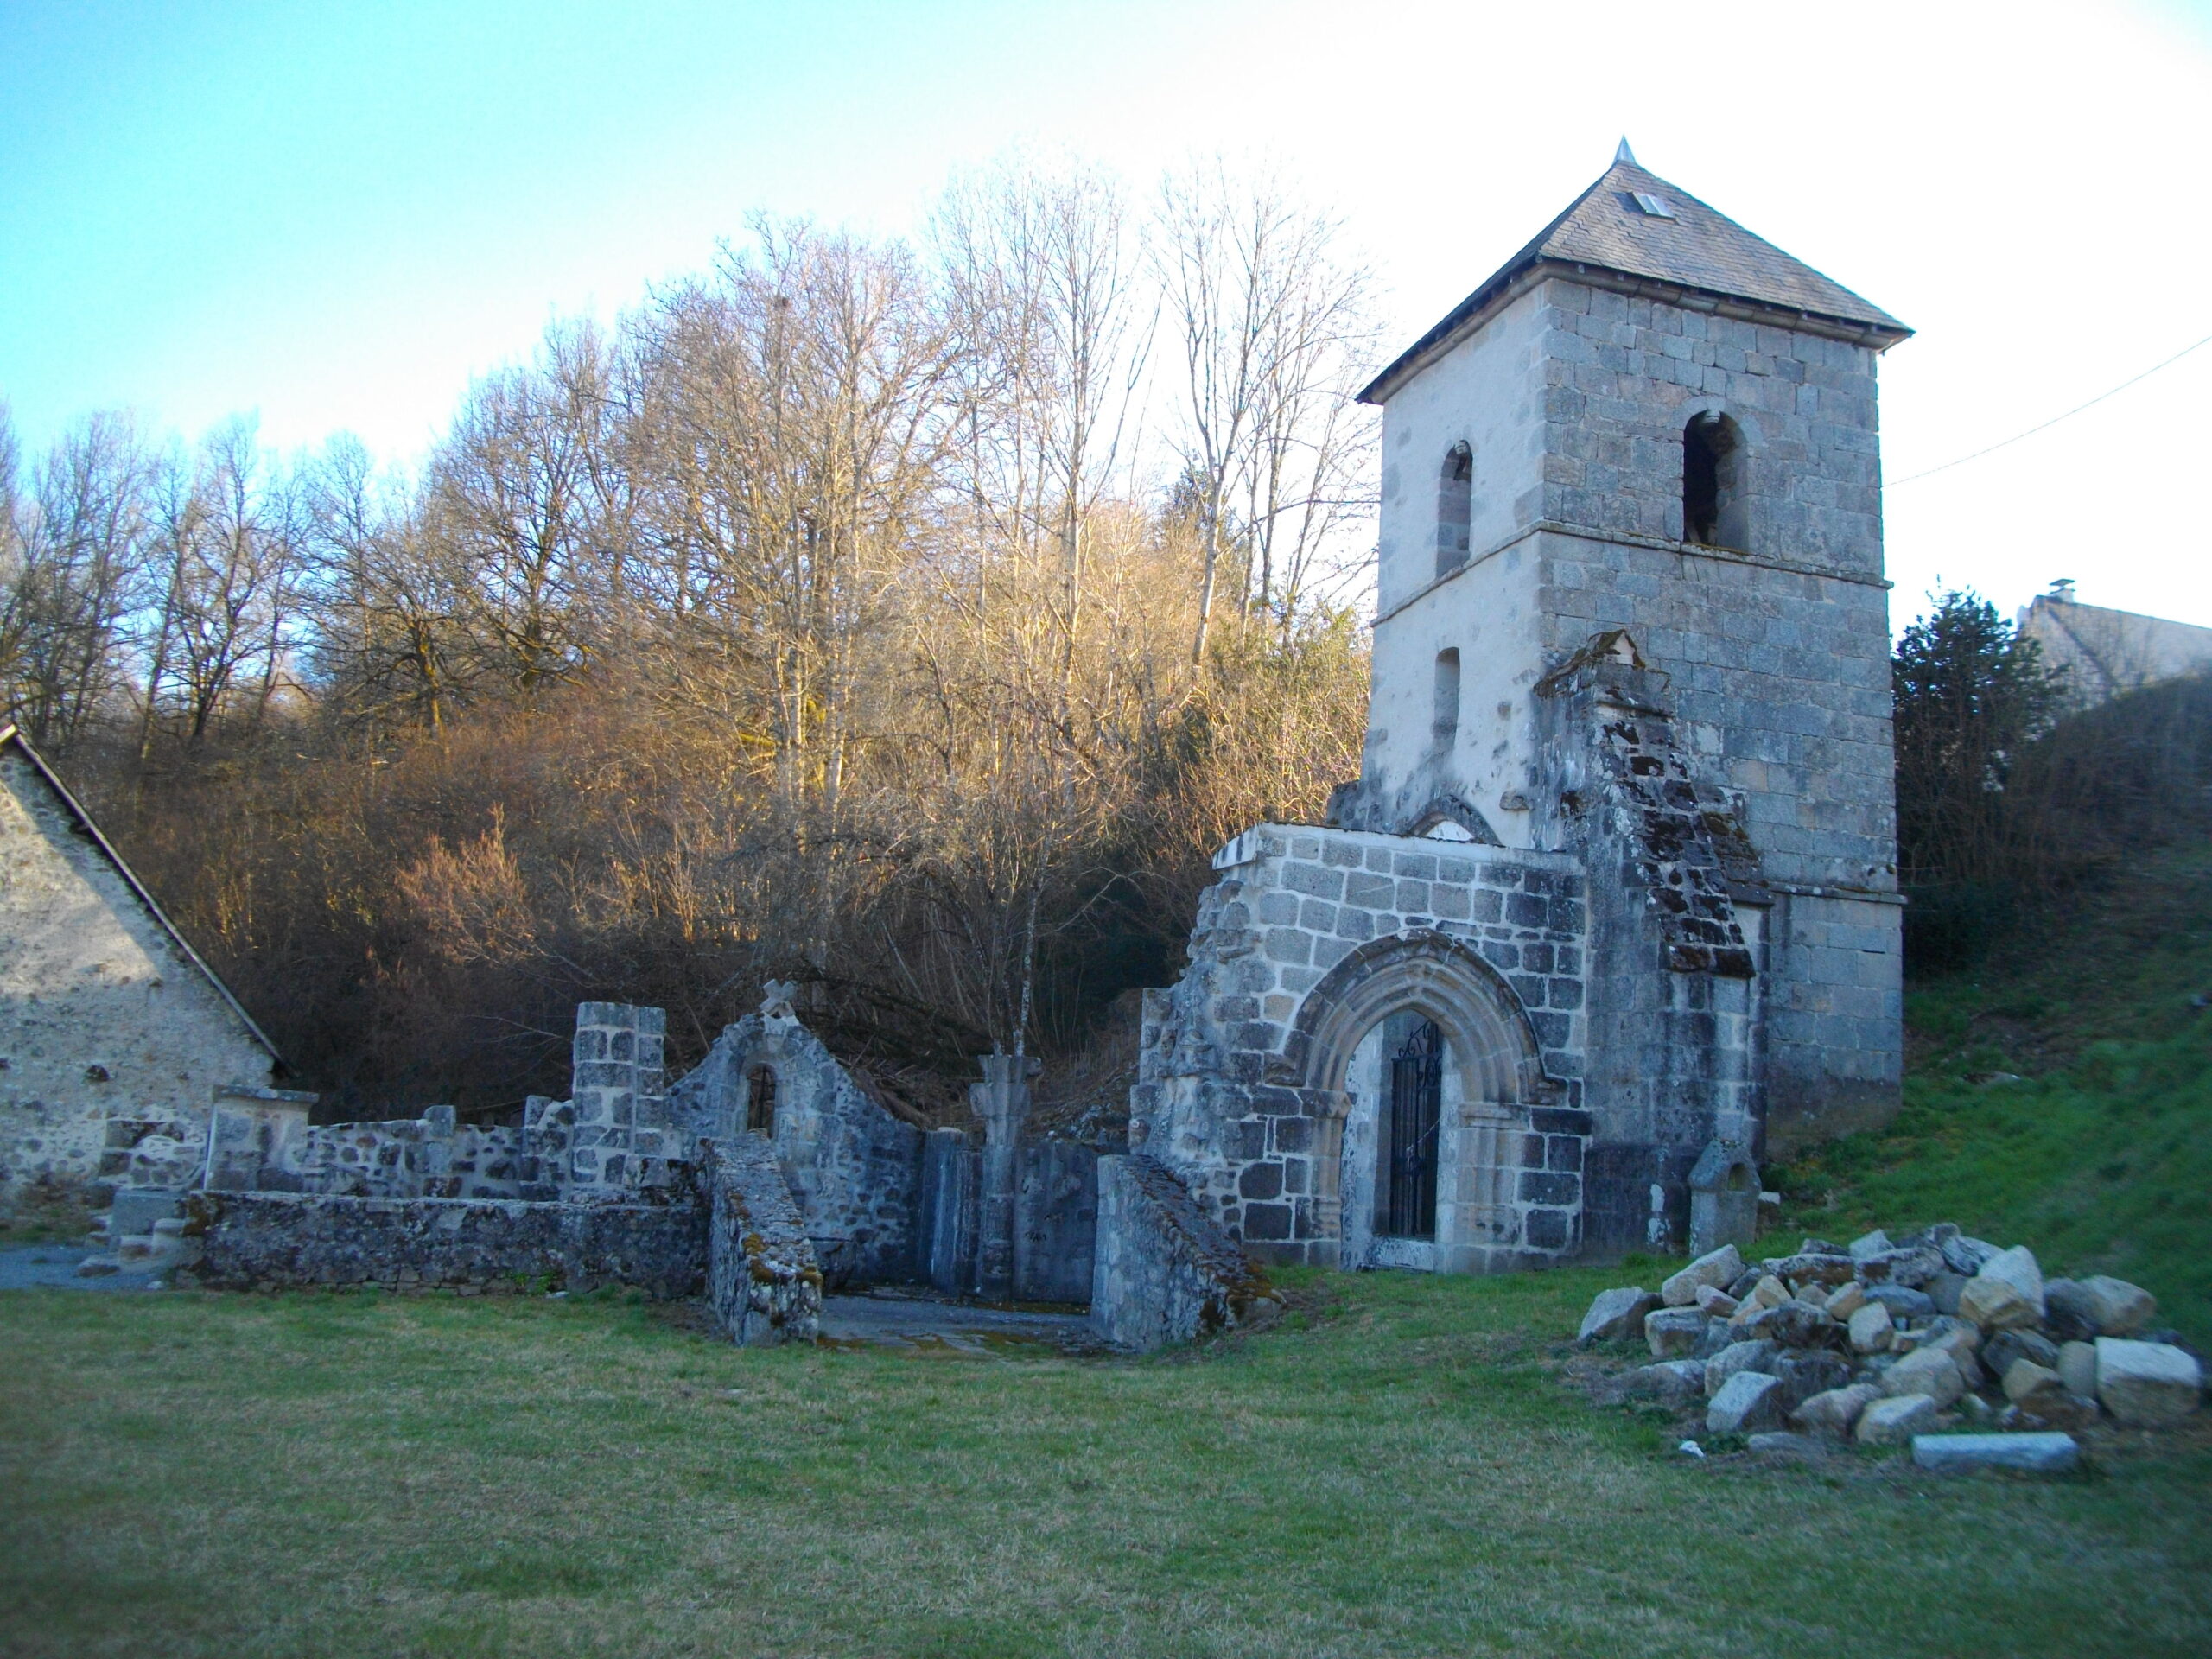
(1487, 392)
(87, 979)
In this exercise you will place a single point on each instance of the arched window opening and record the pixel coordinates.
(1446, 730)
(1455, 509)
(1713, 494)
(760, 1101)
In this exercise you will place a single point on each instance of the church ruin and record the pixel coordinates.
(1610, 914)
(1617, 884)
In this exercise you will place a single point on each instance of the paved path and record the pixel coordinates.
(917, 1323)
(23, 1267)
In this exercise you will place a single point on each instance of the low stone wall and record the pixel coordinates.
(293, 1239)
(762, 1276)
(1165, 1272)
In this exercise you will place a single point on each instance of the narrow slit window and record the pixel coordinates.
(1713, 499)
(1447, 699)
(760, 1101)
(1455, 509)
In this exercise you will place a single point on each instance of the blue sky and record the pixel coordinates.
(335, 216)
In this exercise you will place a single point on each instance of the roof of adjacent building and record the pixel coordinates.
(1695, 248)
(11, 737)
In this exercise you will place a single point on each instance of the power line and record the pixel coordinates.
(1893, 483)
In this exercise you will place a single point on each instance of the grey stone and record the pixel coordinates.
(1615, 1314)
(1718, 1336)
(1719, 1268)
(1846, 1301)
(1676, 1381)
(1868, 1244)
(1795, 1325)
(1944, 1290)
(1870, 1329)
(1963, 1256)
(1782, 1443)
(2076, 1366)
(1927, 1371)
(1912, 1268)
(1895, 1419)
(2101, 1306)
(2147, 1384)
(1905, 1304)
(1672, 1332)
(1747, 1402)
(1834, 1411)
(2040, 1455)
(1814, 1267)
(1738, 1357)
(2006, 1294)
(2005, 1346)
(1803, 1375)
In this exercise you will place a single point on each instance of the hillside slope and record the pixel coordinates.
(2059, 1096)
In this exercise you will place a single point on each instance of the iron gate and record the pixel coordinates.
(1416, 1095)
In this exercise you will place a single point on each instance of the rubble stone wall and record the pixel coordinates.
(762, 1278)
(854, 1169)
(288, 1240)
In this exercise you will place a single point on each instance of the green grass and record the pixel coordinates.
(1405, 1470)
(2100, 1157)
(1409, 1473)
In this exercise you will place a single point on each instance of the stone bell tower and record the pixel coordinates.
(1631, 519)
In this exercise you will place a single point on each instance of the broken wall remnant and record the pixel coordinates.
(762, 1277)
(1165, 1272)
(108, 1018)
(853, 1166)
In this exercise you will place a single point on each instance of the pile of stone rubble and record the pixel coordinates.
(1894, 1341)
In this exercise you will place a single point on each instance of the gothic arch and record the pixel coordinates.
(1482, 1020)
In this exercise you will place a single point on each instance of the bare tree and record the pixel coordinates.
(1272, 327)
(78, 557)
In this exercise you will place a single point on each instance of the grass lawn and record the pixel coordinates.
(1405, 1471)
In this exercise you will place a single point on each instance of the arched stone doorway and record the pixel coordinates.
(1434, 1109)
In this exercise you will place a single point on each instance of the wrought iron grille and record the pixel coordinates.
(1416, 1096)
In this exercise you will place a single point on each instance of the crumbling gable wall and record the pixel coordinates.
(854, 1169)
(103, 1013)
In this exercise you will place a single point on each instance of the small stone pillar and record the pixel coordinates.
(1724, 1195)
(617, 1085)
(1001, 1100)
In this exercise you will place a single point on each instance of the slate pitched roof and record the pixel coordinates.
(1698, 248)
(11, 737)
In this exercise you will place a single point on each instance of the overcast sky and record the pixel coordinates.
(335, 216)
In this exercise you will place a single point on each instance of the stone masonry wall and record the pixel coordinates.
(1218, 1099)
(103, 1018)
(1165, 1272)
(854, 1169)
(619, 1141)
(762, 1278)
(296, 1240)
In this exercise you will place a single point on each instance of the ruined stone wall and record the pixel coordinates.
(429, 1157)
(854, 1169)
(102, 1016)
(762, 1278)
(1302, 922)
(290, 1240)
(1165, 1272)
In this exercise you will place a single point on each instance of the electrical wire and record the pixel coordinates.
(1893, 483)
